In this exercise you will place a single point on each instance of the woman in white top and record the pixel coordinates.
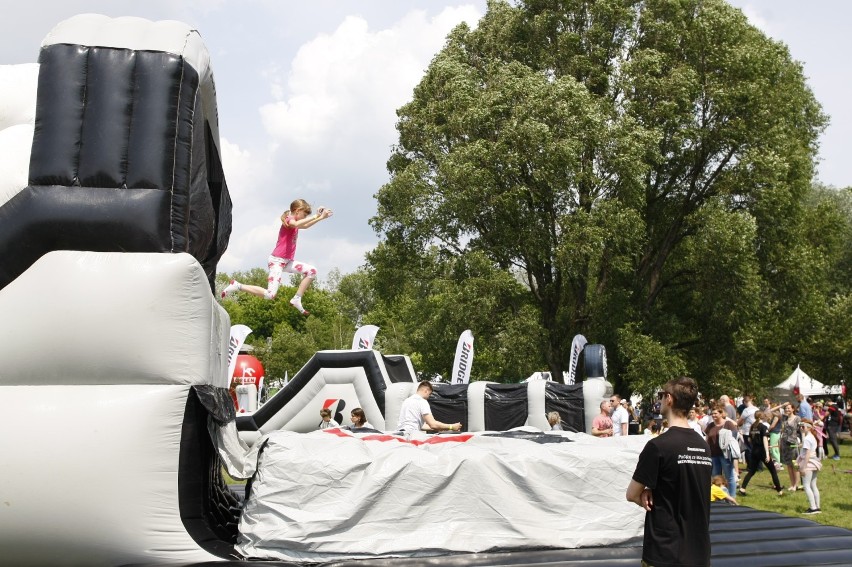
(692, 420)
(809, 466)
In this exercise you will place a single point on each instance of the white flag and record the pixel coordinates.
(238, 337)
(464, 359)
(364, 337)
(577, 346)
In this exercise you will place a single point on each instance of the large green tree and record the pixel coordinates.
(642, 166)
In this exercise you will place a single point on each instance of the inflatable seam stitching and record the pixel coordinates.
(174, 159)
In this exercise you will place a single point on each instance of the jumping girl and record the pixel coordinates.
(282, 260)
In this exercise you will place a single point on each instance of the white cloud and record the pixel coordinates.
(343, 88)
(331, 124)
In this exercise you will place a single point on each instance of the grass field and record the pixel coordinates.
(835, 487)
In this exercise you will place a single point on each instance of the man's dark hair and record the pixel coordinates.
(684, 392)
(425, 384)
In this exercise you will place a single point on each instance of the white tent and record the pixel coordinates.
(807, 386)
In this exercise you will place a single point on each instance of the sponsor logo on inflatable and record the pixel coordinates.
(337, 410)
(464, 359)
(577, 346)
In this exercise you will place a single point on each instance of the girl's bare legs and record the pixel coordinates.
(275, 271)
(253, 289)
(237, 286)
(793, 473)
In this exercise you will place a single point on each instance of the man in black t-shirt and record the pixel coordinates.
(672, 483)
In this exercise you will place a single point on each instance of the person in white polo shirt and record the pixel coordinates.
(620, 419)
(415, 411)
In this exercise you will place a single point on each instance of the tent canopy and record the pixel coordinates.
(807, 386)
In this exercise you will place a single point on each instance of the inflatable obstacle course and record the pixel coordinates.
(113, 213)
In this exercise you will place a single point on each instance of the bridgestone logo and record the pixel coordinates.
(232, 346)
(463, 359)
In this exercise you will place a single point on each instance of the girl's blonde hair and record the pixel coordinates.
(719, 480)
(300, 205)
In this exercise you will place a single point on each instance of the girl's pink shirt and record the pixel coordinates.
(287, 236)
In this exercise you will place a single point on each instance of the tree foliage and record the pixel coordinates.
(284, 339)
(637, 171)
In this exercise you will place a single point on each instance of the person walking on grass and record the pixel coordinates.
(809, 466)
(759, 433)
(833, 419)
(283, 258)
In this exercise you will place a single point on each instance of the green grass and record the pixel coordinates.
(835, 488)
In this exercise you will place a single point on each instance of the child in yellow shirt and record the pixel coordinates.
(718, 492)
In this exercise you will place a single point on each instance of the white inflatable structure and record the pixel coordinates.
(342, 380)
(376, 496)
(116, 374)
(108, 246)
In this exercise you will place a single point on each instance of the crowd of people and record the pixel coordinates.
(793, 438)
(742, 440)
(704, 447)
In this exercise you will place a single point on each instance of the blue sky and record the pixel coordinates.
(307, 94)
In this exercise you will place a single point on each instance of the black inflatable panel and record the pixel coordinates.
(106, 118)
(208, 509)
(448, 403)
(397, 369)
(122, 161)
(60, 102)
(594, 361)
(810, 544)
(41, 219)
(567, 399)
(506, 406)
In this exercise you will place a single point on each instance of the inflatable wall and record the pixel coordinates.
(108, 248)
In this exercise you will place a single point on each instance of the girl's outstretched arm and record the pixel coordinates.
(307, 222)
